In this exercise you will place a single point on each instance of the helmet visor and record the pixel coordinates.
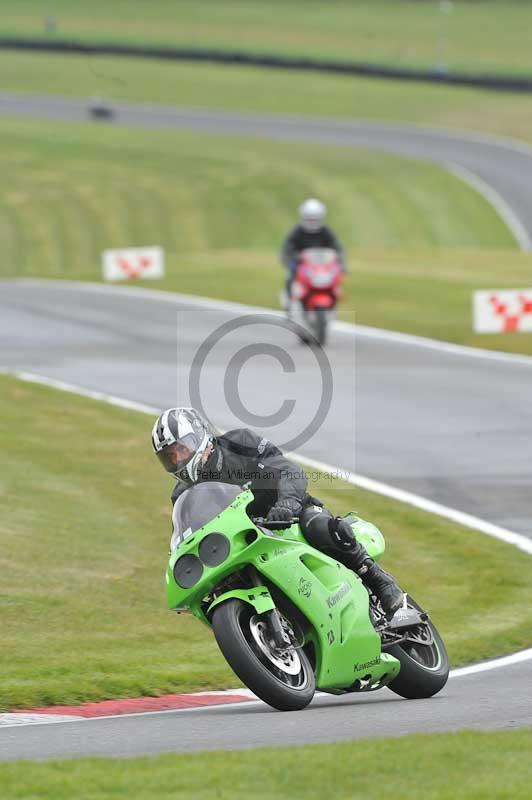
(312, 224)
(177, 455)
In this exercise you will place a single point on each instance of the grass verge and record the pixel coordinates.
(84, 535)
(70, 190)
(474, 36)
(468, 764)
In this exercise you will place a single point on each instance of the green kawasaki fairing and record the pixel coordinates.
(333, 603)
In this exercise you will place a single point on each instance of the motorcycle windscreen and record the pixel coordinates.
(320, 255)
(199, 505)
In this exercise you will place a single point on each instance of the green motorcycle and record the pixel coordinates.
(288, 618)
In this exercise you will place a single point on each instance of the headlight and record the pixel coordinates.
(320, 281)
(214, 549)
(187, 571)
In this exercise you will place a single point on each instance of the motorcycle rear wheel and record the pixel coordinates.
(424, 666)
(283, 680)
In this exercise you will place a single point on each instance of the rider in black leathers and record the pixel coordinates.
(189, 449)
(311, 231)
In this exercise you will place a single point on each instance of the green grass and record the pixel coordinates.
(418, 240)
(84, 535)
(71, 190)
(475, 36)
(471, 764)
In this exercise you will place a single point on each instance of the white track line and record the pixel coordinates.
(508, 216)
(496, 663)
(63, 386)
(460, 517)
(479, 525)
(10, 720)
(447, 348)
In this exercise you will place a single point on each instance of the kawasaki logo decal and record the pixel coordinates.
(375, 662)
(342, 591)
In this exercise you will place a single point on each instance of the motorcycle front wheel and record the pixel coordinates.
(320, 325)
(283, 679)
(424, 661)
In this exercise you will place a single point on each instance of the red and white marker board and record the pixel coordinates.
(133, 262)
(502, 311)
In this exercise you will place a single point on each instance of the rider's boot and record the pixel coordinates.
(355, 557)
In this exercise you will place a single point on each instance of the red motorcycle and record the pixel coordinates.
(316, 289)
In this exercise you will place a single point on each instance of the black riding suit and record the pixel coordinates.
(240, 457)
(299, 239)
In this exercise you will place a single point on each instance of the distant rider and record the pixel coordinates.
(189, 449)
(311, 231)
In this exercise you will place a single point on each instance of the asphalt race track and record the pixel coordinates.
(489, 701)
(453, 428)
(449, 426)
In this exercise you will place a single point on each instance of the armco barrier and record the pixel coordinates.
(504, 83)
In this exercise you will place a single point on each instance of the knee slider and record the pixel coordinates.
(342, 534)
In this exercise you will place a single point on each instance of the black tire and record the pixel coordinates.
(424, 668)
(321, 325)
(305, 339)
(232, 630)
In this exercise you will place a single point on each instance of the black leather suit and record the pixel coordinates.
(241, 457)
(299, 239)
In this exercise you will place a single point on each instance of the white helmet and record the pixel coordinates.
(312, 214)
(180, 438)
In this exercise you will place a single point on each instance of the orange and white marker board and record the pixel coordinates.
(502, 311)
(133, 262)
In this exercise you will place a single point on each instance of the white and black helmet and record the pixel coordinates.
(180, 438)
(312, 214)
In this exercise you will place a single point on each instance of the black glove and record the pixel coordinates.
(284, 510)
